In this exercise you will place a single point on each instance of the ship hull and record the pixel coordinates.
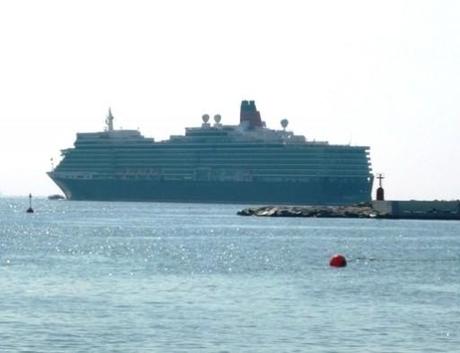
(317, 192)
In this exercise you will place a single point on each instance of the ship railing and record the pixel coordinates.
(75, 175)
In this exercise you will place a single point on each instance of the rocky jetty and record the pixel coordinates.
(413, 209)
(354, 211)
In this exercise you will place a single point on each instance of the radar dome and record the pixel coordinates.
(217, 118)
(205, 118)
(284, 123)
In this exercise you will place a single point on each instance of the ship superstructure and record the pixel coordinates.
(244, 163)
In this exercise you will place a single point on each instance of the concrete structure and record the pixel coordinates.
(419, 209)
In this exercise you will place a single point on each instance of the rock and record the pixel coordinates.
(362, 210)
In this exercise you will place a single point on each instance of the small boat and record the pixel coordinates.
(56, 197)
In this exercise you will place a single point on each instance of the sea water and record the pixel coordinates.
(159, 277)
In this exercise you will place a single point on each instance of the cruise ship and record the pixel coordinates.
(246, 163)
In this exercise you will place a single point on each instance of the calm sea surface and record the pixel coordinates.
(157, 277)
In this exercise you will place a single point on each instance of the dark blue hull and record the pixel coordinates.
(317, 192)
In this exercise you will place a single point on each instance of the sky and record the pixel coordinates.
(384, 74)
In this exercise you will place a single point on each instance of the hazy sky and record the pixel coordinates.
(379, 73)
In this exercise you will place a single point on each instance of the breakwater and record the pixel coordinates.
(442, 210)
(357, 211)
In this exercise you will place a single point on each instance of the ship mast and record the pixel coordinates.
(109, 120)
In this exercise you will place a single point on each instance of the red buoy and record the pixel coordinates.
(338, 261)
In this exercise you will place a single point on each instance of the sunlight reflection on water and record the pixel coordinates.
(149, 277)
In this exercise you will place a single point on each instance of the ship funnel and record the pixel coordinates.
(249, 115)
